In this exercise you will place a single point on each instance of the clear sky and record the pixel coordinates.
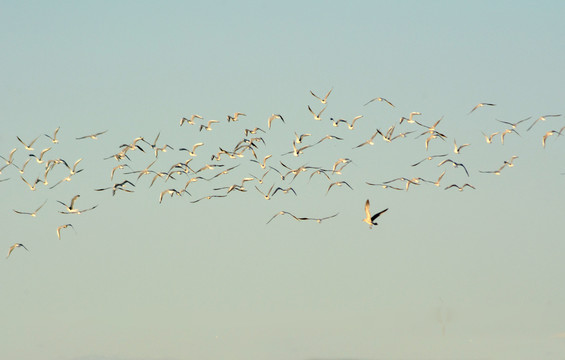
(472, 274)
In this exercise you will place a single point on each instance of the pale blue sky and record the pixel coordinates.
(446, 274)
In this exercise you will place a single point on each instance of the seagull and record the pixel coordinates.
(120, 167)
(191, 120)
(550, 133)
(28, 147)
(488, 138)
(170, 192)
(384, 186)
(62, 227)
(542, 118)
(284, 190)
(31, 187)
(511, 162)
(208, 198)
(460, 188)
(162, 149)
(207, 127)
(192, 152)
(33, 214)
(316, 116)
(338, 183)
(369, 142)
(10, 157)
(268, 195)
(300, 137)
(410, 120)
(335, 123)
(350, 126)
(379, 99)
(496, 172)
(40, 158)
(273, 117)
(54, 138)
(263, 164)
(514, 125)
(118, 186)
(455, 164)
(438, 179)
(282, 213)
(92, 136)
(71, 209)
(324, 100)
(235, 116)
(503, 134)
(481, 105)
(16, 245)
(328, 137)
(457, 149)
(428, 158)
(252, 131)
(74, 170)
(371, 219)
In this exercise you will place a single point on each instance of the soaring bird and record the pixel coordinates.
(325, 99)
(62, 227)
(481, 105)
(16, 245)
(33, 214)
(371, 219)
(378, 99)
(318, 115)
(92, 136)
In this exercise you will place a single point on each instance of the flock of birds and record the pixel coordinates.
(249, 153)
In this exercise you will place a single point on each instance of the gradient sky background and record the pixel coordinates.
(476, 274)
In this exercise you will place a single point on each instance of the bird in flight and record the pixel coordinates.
(191, 120)
(16, 245)
(54, 137)
(92, 136)
(33, 214)
(460, 188)
(324, 100)
(316, 116)
(542, 118)
(480, 105)
(370, 219)
(379, 99)
(61, 228)
(273, 117)
(28, 146)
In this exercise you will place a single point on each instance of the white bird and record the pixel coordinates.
(379, 99)
(481, 105)
(62, 227)
(92, 136)
(542, 118)
(370, 219)
(54, 138)
(273, 117)
(191, 120)
(192, 152)
(33, 214)
(27, 147)
(40, 158)
(235, 116)
(208, 125)
(10, 157)
(16, 245)
(325, 99)
(316, 116)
